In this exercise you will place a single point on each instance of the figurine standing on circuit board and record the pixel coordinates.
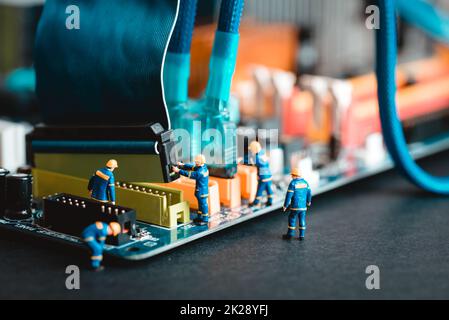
(102, 183)
(297, 200)
(264, 183)
(200, 174)
(95, 237)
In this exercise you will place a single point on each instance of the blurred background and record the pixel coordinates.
(304, 67)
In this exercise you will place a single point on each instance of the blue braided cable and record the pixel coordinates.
(177, 60)
(424, 15)
(391, 125)
(224, 52)
(230, 15)
(181, 38)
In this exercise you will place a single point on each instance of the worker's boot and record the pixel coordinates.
(199, 221)
(287, 237)
(98, 269)
(301, 238)
(255, 203)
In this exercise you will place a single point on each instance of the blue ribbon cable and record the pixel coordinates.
(391, 125)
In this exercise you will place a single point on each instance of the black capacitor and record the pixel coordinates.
(24, 169)
(3, 174)
(18, 196)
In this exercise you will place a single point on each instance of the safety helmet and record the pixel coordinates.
(115, 228)
(296, 172)
(200, 159)
(255, 147)
(112, 164)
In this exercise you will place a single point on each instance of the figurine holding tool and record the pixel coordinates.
(200, 174)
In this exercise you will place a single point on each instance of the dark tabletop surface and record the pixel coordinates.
(381, 221)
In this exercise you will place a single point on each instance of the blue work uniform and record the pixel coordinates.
(95, 236)
(201, 175)
(297, 200)
(264, 183)
(102, 185)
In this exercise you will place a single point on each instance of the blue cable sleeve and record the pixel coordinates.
(177, 60)
(224, 52)
(391, 125)
(181, 38)
(222, 65)
(424, 15)
(230, 15)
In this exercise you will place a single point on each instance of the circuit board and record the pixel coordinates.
(152, 240)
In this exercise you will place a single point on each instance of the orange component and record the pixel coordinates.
(413, 101)
(248, 178)
(417, 71)
(297, 116)
(270, 45)
(297, 113)
(321, 131)
(188, 187)
(230, 193)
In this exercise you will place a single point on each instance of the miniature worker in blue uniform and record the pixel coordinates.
(200, 174)
(297, 200)
(264, 183)
(102, 183)
(95, 237)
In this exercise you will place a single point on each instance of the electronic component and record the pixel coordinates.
(156, 204)
(71, 214)
(12, 144)
(188, 188)
(248, 178)
(144, 152)
(152, 240)
(413, 102)
(18, 196)
(229, 190)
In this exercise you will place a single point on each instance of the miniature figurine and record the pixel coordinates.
(102, 183)
(200, 174)
(95, 237)
(297, 200)
(263, 174)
